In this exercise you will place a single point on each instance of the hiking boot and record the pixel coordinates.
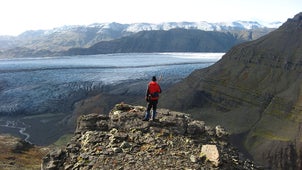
(153, 120)
(145, 119)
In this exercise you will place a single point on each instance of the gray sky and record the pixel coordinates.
(17, 16)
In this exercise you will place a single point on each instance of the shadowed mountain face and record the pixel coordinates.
(124, 38)
(176, 40)
(80, 36)
(254, 89)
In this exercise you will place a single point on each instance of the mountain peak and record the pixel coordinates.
(298, 17)
(122, 139)
(44, 42)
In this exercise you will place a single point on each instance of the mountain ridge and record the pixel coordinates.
(137, 27)
(174, 40)
(253, 90)
(52, 42)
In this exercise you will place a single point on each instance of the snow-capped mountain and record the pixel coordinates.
(137, 27)
(84, 36)
(206, 26)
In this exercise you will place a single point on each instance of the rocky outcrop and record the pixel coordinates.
(254, 89)
(122, 140)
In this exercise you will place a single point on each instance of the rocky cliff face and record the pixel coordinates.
(254, 89)
(122, 140)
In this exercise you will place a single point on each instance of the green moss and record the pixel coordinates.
(258, 138)
(63, 140)
(270, 135)
(270, 128)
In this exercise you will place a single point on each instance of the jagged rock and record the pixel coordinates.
(220, 132)
(211, 153)
(54, 160)
(95, 122)
(127, 142)
(196, 127)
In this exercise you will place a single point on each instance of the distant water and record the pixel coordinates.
(105, 68)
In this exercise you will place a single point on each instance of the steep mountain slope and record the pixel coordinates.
(176, 40)
(72, 36)
(254, 89)
(49, 42)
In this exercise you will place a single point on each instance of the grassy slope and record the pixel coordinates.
(27, 158)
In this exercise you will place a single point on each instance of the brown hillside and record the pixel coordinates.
(17, 154)
(254, 89)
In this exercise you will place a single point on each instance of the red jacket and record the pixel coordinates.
(153, 90)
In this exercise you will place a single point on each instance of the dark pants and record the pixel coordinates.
(151, 104)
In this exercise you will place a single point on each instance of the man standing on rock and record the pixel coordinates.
(152, 95)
